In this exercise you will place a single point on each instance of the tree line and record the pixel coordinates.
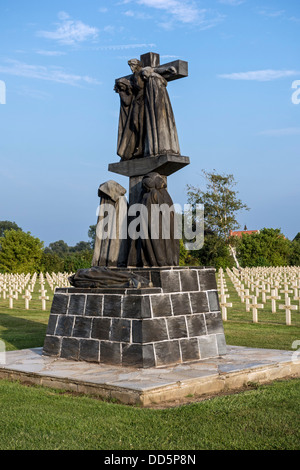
(22, 252)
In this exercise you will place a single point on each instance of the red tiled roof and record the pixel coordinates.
(240, 233)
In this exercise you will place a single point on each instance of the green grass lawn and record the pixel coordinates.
(265, 417)
(38, 418)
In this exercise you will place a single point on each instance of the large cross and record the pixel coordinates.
(151, 59)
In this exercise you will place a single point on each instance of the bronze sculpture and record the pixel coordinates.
(147, 125)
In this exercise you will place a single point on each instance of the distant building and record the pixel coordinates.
(240, 233)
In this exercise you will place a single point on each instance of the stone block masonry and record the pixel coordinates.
(177, 320)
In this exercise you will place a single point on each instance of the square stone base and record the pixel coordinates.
(176, 321)
(161, 386)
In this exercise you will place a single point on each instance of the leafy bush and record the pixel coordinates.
(20, 252)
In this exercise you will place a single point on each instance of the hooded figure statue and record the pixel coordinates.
(110, 246)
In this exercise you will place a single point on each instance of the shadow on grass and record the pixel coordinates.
(21, 333)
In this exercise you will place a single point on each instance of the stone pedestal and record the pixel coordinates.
(178, 320)
(137, 168)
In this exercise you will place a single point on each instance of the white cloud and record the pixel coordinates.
(110, 29)
(260, 75)
(272, 14)
(62, 15)
(51, 53)
(137, 15)
(177, 11)
(119, 47)
(184, 11)
(70, 31)
(52, 74)
(281, 132)
(294, 19)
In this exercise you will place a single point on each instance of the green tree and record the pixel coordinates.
(51, 263)
(221, 203)
(186, 257)
(79, 260)
(295, 251)
(20, 252)
(221, 206)
(267, 248)
(215, 252)
(80, 246)
(92, 235)
(7, 225)
(297, 238)
(59, 248)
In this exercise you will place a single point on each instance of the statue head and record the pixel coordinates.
(135, 65)
(122, 85)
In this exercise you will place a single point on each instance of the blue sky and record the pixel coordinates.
(234, 112)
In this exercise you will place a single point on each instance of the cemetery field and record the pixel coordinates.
(271, 331)
(22, 329)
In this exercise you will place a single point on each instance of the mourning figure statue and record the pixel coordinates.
(146, 125)
(158, 244)
(110, 248)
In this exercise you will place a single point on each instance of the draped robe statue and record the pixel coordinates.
(162, 249)
(157, 245)
(110, 249)
(147, 125)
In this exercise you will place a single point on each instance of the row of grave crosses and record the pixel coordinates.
(14, 285)
(268, 284)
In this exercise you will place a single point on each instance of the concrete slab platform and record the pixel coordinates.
(154, 386)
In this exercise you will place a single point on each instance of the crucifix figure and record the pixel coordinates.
(149, 150)
(147, 125)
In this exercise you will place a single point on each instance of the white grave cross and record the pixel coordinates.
(224, 305)
(273, 297)
(43, 297)
(288, 307)
(254, 306)
(27, 298)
